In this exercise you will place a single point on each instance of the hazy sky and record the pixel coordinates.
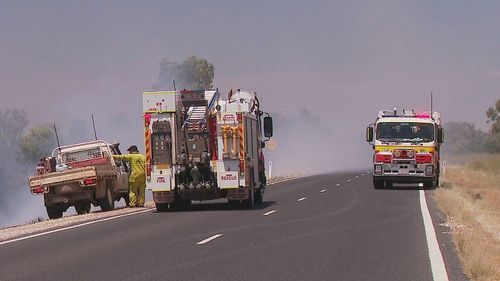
(341, 60)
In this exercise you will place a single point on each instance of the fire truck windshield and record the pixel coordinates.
(405, 132)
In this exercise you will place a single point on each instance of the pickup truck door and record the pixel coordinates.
(121, 176)
(122, 172)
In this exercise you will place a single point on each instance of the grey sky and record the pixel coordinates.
(341, 60)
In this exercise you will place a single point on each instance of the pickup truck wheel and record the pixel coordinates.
(127, 199)
(82, 208)
(107, 203)
(54, 212)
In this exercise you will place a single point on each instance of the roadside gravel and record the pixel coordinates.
(14, 232)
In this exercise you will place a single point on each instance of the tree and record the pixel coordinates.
(464, 137)
(493, 115)
(194, 73)
(38, 142)
(12, 124)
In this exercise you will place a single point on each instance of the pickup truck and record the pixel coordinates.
(79, 175)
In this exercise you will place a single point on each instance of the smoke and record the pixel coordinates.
(307, 145)
(169, 72)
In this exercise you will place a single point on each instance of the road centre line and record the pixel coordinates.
(301, 199)
(436, 257)
(337, 185)
(72, 227)
(362, 175)
(209, 239)
(348, 180)
(270, 212)
(323, 190)
(357, 176)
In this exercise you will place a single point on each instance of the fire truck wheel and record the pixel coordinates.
(107, 203)
(161, 207)
(389, 184)
(82, 208)
(259, 196)
(54, 212)
(430, 184)
(378, 184)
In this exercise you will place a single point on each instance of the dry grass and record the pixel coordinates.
(470, 197)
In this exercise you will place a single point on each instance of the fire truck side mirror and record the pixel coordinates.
(369, 134)
(268, 126)
(440, 135)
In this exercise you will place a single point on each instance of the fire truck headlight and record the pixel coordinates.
(377, 169)
(429, 169)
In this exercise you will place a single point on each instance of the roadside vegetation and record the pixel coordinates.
(470, 194)
(470, 198)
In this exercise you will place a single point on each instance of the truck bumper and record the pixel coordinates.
(403, 172)
(67, 199)
(162, 197)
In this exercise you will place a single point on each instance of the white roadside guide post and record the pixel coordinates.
(444, 167)
(270, 169)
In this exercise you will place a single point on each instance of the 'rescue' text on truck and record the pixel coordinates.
(406, 148)
(201, 147)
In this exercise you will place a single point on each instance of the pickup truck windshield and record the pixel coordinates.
(405, 131)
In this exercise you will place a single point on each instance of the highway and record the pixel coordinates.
(326, 227)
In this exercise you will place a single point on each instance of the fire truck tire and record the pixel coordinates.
(378, 184)
(250, 202)
(430, 184)
(161, 207)
(389, 185)
(54, 212)
(259, 196)
(186, 202)
(82, 208)
(107, 203)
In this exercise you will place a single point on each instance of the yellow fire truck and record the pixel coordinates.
(406, 148)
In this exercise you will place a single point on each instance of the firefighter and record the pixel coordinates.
(137, 178)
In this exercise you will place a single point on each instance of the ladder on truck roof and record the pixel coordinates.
(197, 115)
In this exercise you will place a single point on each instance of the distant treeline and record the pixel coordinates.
(463, 137)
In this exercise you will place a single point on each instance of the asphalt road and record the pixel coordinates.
(327, 227)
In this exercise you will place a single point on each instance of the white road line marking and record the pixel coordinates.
(301, 199)
(357, 176)
(348, 180)
(323, 190)
(209, 239)
(270, 212)
(362, 175)
(435, 256)
(337, 185)
(72, 227)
